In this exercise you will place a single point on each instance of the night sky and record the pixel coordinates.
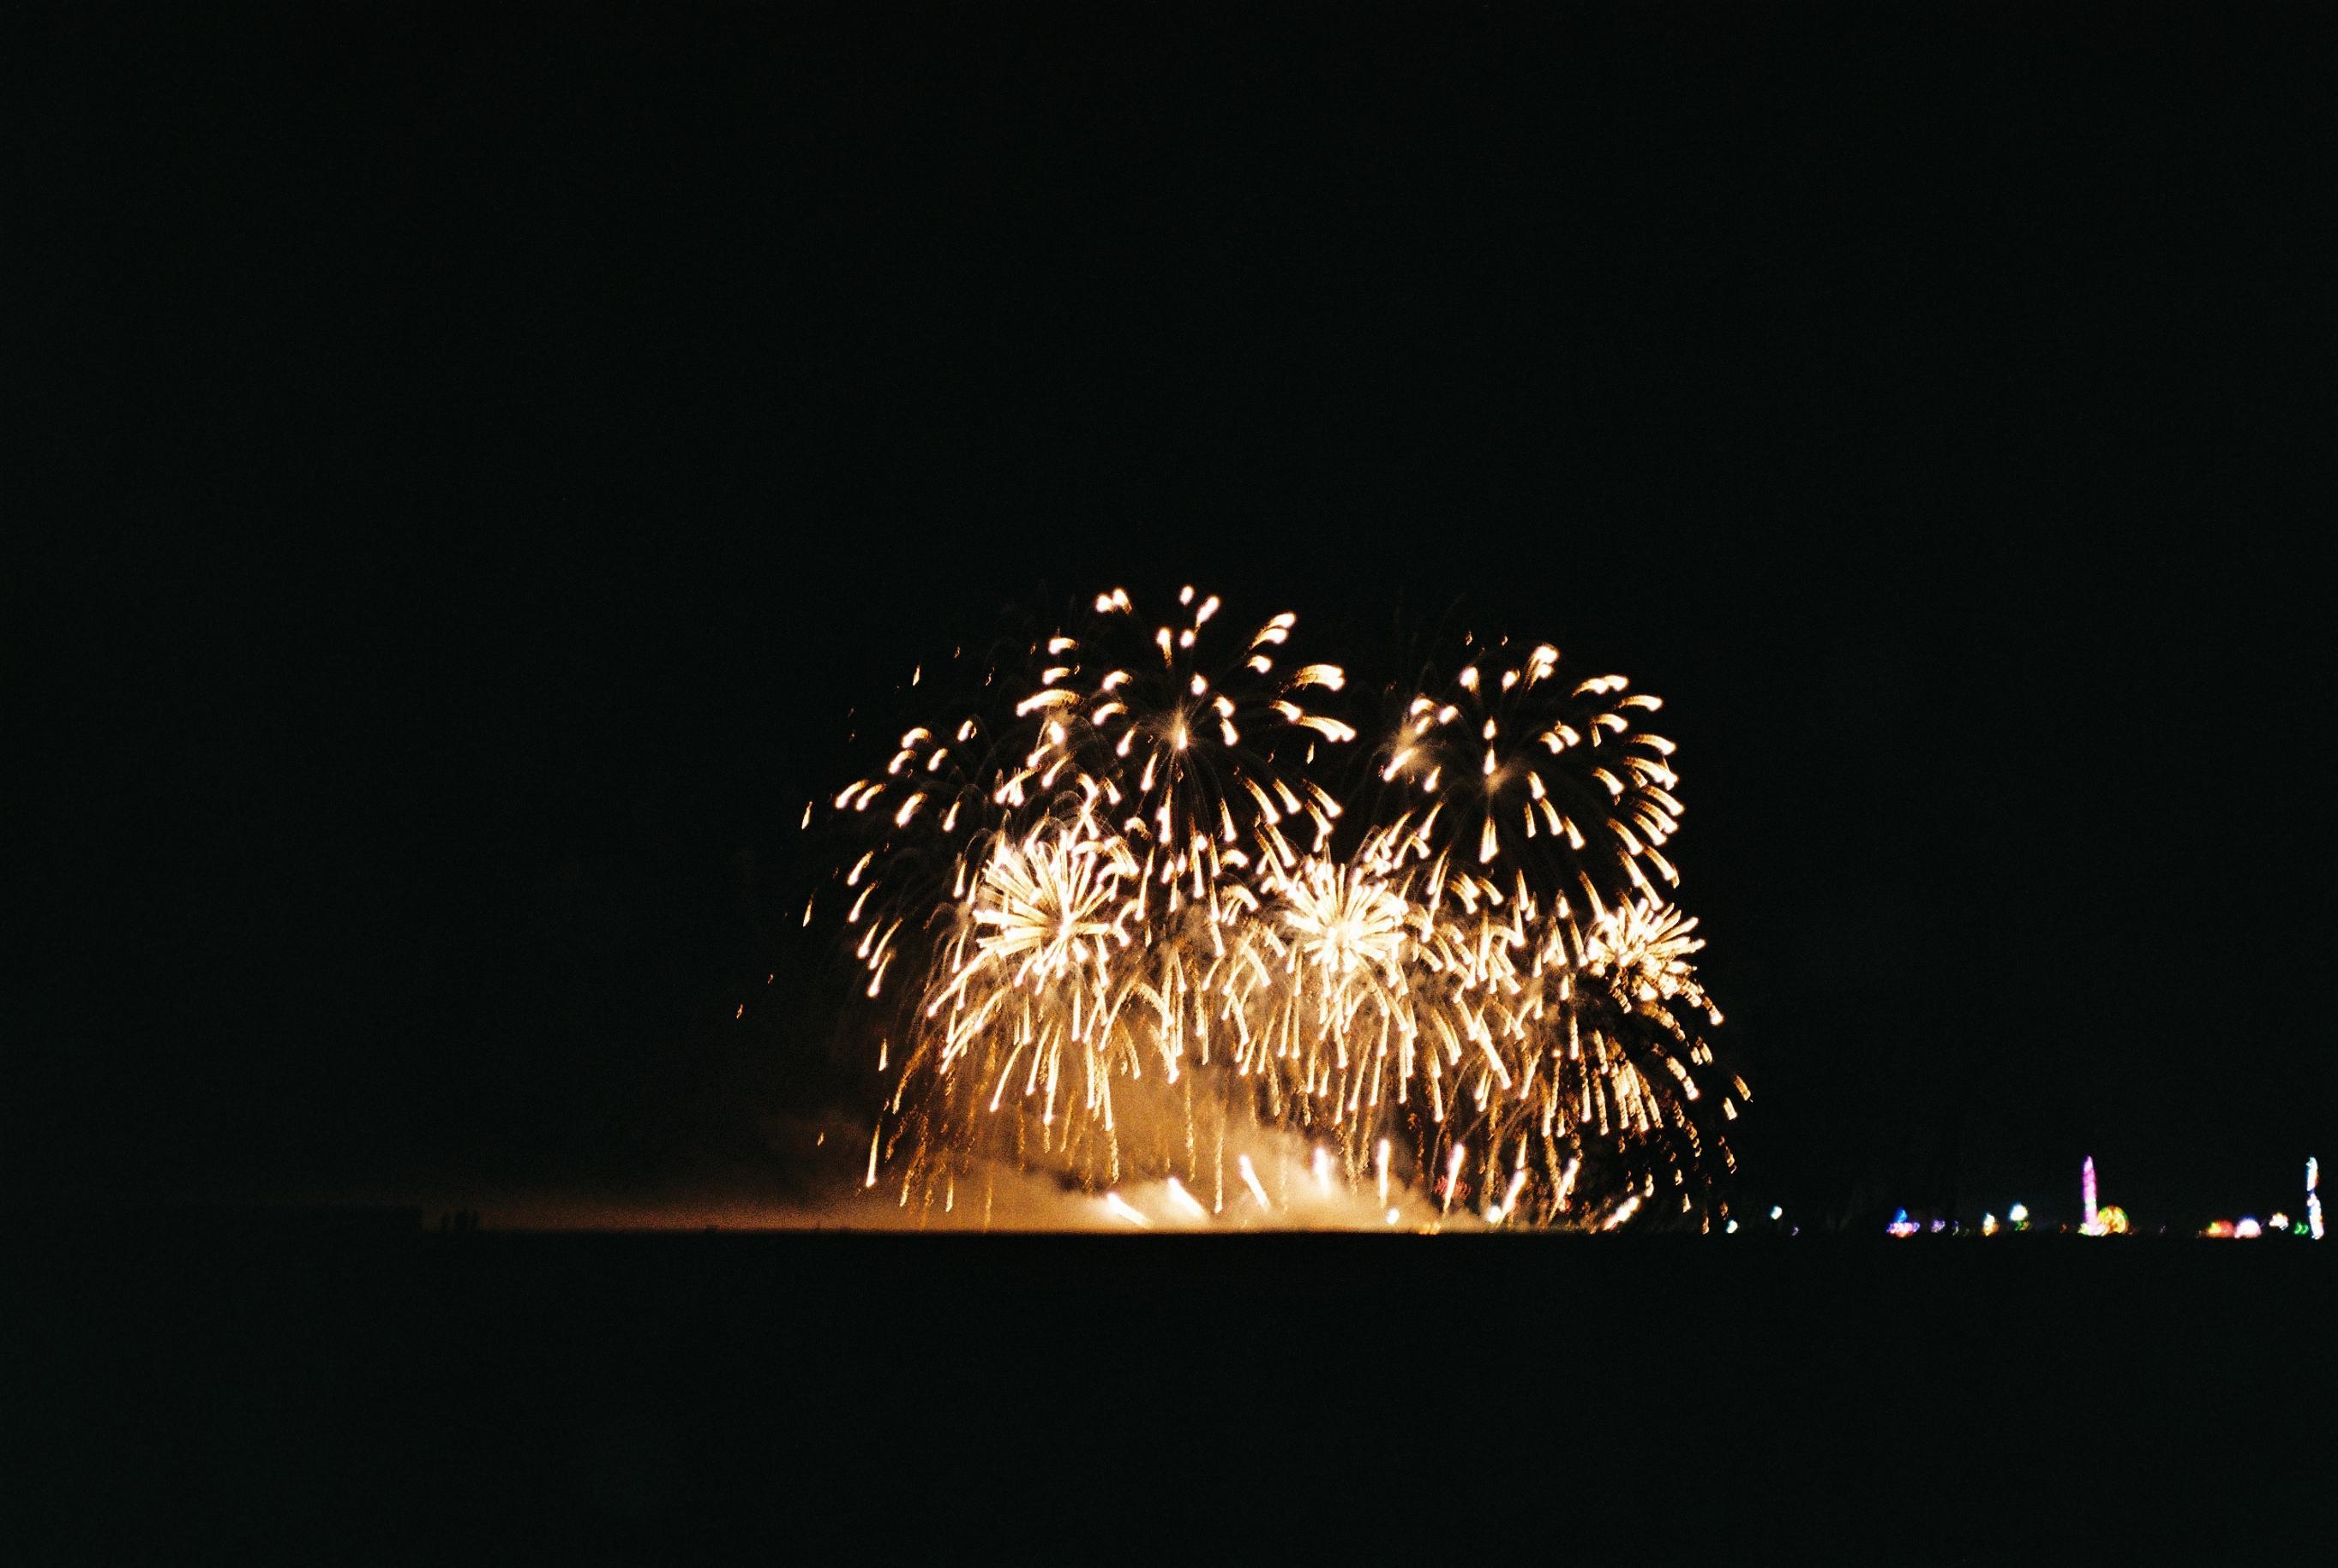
(475, 460)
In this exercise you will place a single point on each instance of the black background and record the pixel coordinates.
(235, 1396)
(477, 458)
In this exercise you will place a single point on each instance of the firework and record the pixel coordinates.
(1538, 779)
(1118, 929)
(1185, 723)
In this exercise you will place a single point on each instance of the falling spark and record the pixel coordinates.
(1250, 1179)
(1511, 1193)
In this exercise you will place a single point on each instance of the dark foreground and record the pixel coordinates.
(258, 1393)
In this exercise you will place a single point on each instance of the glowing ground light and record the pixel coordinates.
(1989, 1224)
(2019, 1216)
(2248, 1229)
(1902, 1225)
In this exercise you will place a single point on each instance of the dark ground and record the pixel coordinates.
(246, 1392)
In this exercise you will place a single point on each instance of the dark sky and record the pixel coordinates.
(480, 455)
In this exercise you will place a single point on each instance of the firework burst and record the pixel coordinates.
(1121, 931)
(1186, 722)
(1513, 766)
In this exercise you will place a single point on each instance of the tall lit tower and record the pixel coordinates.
(2313, 1197)
(2086, 1198)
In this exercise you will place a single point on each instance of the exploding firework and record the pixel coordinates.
(1184, 725)
(1118, 929)
(1542, 780)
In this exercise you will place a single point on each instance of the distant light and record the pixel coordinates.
(1391, 1216)
(1731, 1228)
(1902, 1225)
(1989, 1224)
(1777, 1211)
(2018, 1213)
(1494, 1215)
(2248, 1228)
(2278, 1222)
(2218, 1228)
